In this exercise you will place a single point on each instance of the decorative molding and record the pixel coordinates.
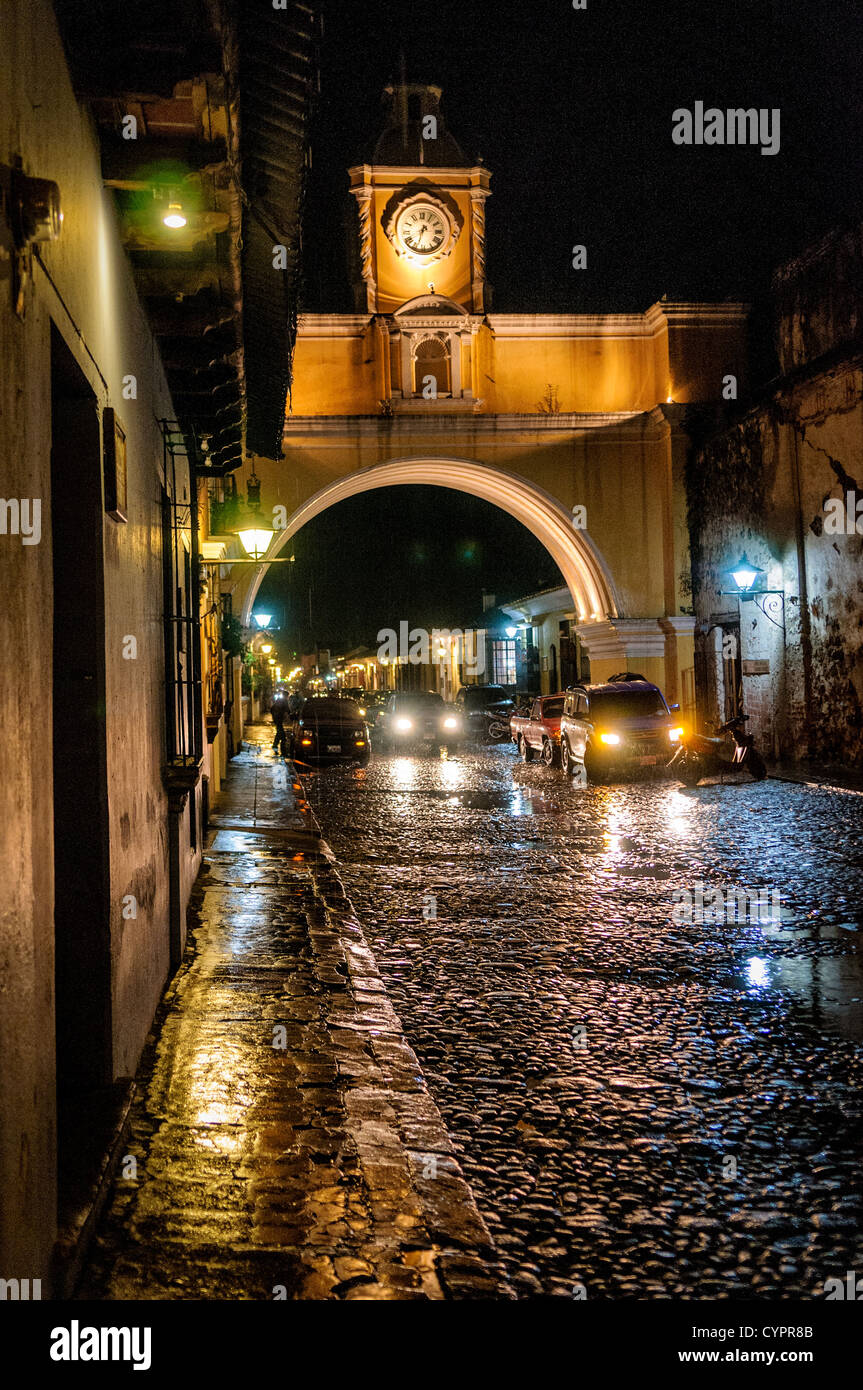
(624, 639)
(333, 325)
(627, 427)
(678, 624)
(421, 191)
(477, 219)
(364, 210)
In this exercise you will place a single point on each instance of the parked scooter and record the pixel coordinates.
(701, 755)
(495, 726)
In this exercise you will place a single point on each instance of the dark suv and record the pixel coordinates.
(479, 704)
(615, 727)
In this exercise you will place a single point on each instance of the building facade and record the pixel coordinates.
(783, 486)
(130, 329)
(572, 423)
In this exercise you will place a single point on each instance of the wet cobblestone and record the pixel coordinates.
(283, 1142)
(644, 1109)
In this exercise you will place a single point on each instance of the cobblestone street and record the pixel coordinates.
(644, 1108)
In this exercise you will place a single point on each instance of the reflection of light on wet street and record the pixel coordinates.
(552, 918)
(452, 774)
(680, 814)
(403, 771)
(757, 973)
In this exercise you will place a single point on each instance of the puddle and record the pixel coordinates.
(831, 988)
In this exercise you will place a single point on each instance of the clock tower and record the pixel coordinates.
(421, 210)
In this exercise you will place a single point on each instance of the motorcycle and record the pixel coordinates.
(703, 755)
(495, 724)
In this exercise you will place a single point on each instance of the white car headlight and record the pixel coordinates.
(450, 723)
(609, 738)
(675, 735)
(403, 724)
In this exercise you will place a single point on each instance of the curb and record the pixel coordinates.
(395, 1123)
(804, 781)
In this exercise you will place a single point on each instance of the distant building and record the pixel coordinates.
(783, 486)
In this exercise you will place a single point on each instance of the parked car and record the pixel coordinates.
(411, 717)
(613, 728)
(329, 729)
(537, 733)
(482, 707)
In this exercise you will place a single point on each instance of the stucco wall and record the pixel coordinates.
(41, 120)
(619, 469)
(744, 496)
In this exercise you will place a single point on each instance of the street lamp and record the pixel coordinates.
(745, 574)
(263, 619)
(255, 541)
(749, 588)
(254, 536)
(511, 632)
(174, 217)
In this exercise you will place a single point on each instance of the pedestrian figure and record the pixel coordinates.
(279, 710)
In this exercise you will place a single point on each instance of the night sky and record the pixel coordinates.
(420, 554)
(571, 111)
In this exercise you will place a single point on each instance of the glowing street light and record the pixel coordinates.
(263, 619)
(174, 217)
(256, 541)
(745, 574)
(254, 537)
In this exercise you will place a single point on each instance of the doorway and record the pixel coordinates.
(82, 935)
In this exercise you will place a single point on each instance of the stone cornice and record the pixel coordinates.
(474, 174)
(624, 639)
(333, 325)
(657, 319)
(631, 426)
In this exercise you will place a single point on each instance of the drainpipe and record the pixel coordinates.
(802, 589)
(176, 936)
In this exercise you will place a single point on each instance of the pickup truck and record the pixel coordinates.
(537, 731)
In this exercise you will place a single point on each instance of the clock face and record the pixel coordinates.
(421, 229)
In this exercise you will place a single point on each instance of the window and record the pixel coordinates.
(432, 368)
(628, 704)
(503, 663)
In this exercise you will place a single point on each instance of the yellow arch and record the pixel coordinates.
(584, 570)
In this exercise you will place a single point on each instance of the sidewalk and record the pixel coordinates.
(829, 778)
(285, 1142)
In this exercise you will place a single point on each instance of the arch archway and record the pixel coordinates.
(580, 562)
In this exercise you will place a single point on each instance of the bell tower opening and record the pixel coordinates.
(432, 368)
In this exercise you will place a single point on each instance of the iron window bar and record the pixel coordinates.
(181, 569)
